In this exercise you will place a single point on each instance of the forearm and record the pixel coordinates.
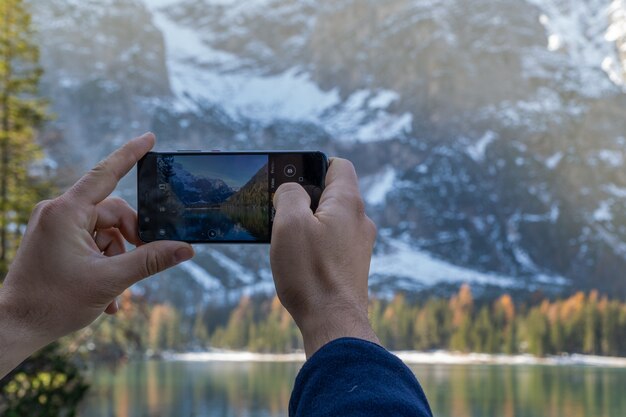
(18, 340)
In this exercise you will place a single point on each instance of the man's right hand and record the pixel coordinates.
(320, 261)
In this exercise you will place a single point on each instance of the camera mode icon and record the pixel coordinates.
(290, 170)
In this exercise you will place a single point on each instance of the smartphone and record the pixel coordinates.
(219, 197)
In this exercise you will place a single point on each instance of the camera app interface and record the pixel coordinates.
(224, 197)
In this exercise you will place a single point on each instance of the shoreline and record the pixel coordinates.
(439, 357)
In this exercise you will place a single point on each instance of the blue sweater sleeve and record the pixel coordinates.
(352, 377)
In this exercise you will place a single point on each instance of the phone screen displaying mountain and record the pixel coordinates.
(216, 197)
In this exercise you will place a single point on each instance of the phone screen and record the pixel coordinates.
(219, 197)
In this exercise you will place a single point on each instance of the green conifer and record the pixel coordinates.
(21, 113)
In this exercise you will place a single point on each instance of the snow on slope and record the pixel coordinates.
(201, 276)
(376, 187)
(400, 260)
(553, 161)
(200, 74)
(417, 267)
(242, 274)
(586, 31)
(615, 67)
(405, 261)
(214, 290)
(477, 150)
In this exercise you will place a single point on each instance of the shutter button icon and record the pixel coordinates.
(290, 170)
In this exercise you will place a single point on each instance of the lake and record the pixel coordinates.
(225, 389)
(226, 223)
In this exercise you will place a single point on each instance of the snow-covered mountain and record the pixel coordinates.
(489, 135)
(193, 190)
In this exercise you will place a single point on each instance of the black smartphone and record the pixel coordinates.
(219, 197)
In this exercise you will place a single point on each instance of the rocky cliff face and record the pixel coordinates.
(489, 135)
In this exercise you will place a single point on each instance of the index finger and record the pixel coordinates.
(99, 183)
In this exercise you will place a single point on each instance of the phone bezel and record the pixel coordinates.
(324, 167)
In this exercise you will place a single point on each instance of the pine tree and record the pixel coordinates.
(375, 316)
(483, 332)
(462, 306)
(591, 339)
(425, 328)
(504, 317)
(537, 332)
(163, 328)
(200, 331)
(609, 327)
(21, 113)
(236, 333)
(572, 314)
(173, 330)
(399, 320)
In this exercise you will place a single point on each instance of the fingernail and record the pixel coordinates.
(182, 255)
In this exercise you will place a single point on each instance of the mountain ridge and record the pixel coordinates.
(254, 193)
(489, 138)
(196, 191)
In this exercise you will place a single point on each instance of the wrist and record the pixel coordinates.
(18, 338)
(319, 329)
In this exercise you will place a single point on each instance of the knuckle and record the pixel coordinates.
(83, 182)
(289, 189)
(371, 228)
(292, 298)
(286, 224)
(118, 202)
(355, 200)
(48, 209)
(104, 171)
(341, 161)
(99, 168)
(39, 207)
(153, 264)
(126, 156)
(290, 186)
(129, 154)
(347, 166)
(291, 223)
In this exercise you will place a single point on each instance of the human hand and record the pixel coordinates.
(320, 261)
(72, 264)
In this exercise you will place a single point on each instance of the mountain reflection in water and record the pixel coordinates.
(229, 223)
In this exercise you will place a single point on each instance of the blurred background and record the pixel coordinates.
(489, 138)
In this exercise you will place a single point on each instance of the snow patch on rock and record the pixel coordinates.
(405, 261)
(586, 33)
(603, 212)
(376, 187)
(477, 150)
(201, 74)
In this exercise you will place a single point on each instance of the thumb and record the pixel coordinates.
(291, 198)
(150, 259)
(293, 210)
